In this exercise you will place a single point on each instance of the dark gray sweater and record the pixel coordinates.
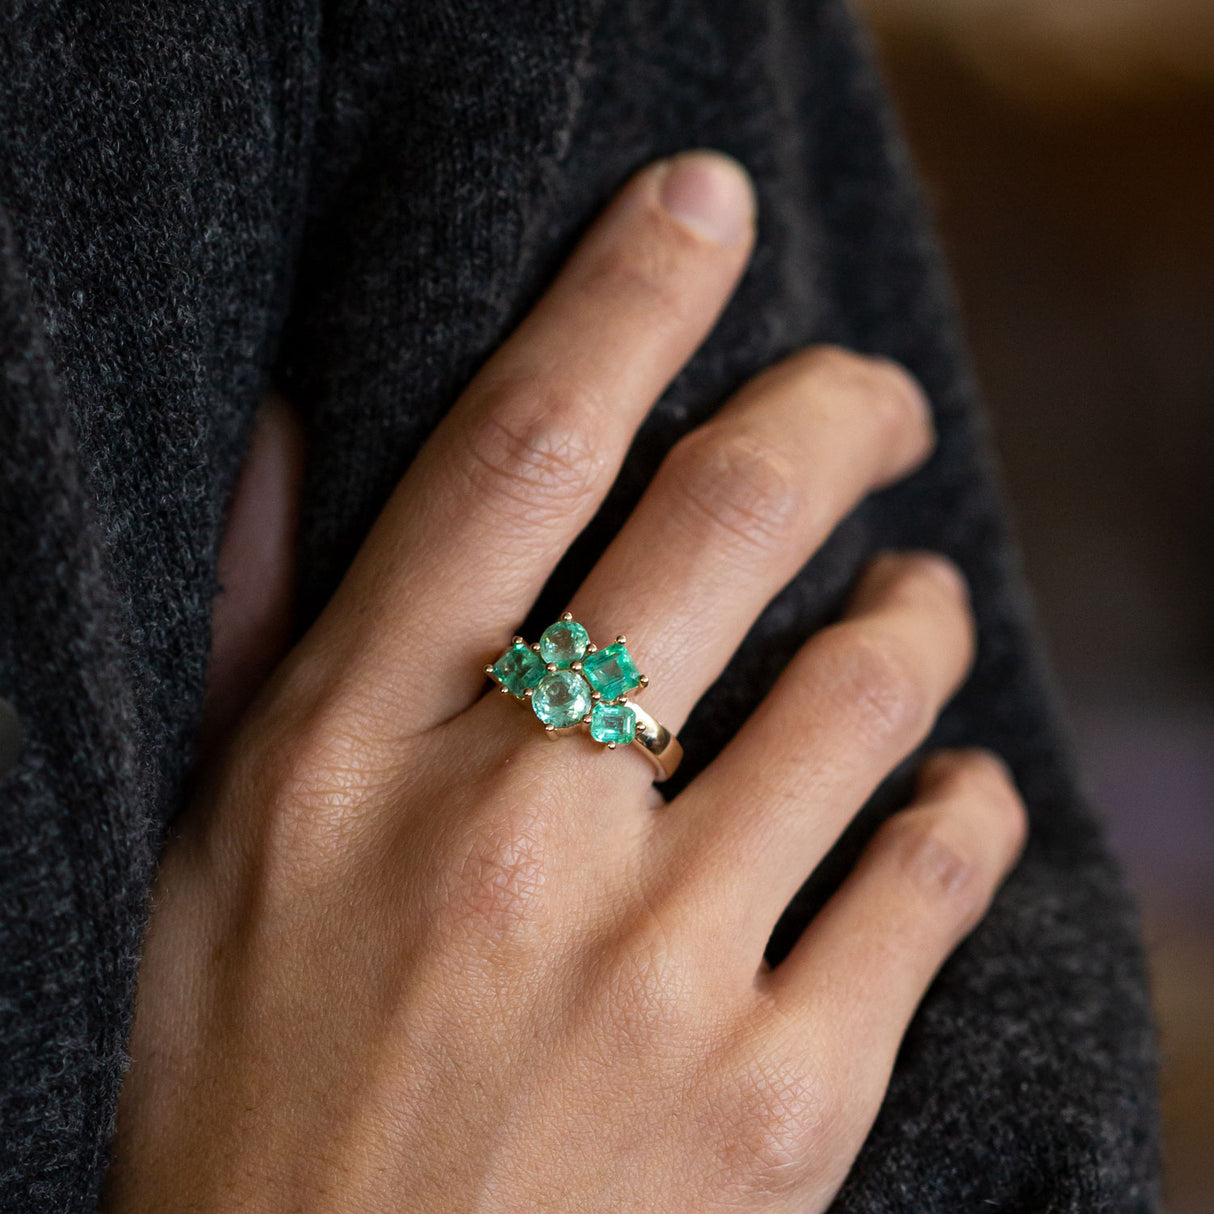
(358, 201)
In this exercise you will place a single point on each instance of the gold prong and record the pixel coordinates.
(550, 667)
(611, 746)
(503, 689)
(529, 692)
(621, 639)
(622, 700)
(586, 719)
(640, 729)
(517, 640)
(575, 666)
(566, 615)
(489, 669)
(550, 729)
(644, 680)
(536, 646)
(591, 647)
(594, 695)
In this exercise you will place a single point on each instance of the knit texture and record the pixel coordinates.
(359, 202)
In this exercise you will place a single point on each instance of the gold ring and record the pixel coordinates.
(573, 685)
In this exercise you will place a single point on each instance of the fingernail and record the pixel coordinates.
(710, 193)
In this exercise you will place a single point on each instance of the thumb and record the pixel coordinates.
(251, 616)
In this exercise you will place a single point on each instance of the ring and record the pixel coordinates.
(572, 684)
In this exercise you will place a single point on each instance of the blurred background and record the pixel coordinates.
(1067, 148)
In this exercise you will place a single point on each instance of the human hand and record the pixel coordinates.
(406, 953)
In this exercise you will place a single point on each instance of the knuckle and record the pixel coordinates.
(769, 1119)
(492, 891)
(935, 863)
(311, 767)
(644, 275)
(878, 688)
(493, 888)
(533, 448)
(649, 994)
(295, 823)
(739, 483)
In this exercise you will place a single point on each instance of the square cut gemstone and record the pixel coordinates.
(611, 671)
(613, 723)
(518, 668)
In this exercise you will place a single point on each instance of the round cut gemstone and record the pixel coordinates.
(611, 671)
(564, 643)
(561, 698)
(518, 668)
(613, 723)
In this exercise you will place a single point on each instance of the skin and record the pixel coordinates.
(406, 953)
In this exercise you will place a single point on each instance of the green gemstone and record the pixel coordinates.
(564, 643)
(518, 668)
(611, 671)
(561, 698)
(613, 723)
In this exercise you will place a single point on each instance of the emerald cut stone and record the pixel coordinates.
(611, 671)
(518, 668)
(564, 643)
(561, 698)
(613, 723)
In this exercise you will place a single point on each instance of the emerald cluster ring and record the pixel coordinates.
(574, 686)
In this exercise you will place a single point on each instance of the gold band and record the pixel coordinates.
(657, 743)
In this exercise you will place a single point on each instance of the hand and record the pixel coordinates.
(408, 954)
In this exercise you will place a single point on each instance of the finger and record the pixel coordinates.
(525, 456)
(855, 701)
(251, 616)
(740, 504)
(861, 967)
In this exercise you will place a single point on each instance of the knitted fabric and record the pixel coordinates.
(359, 202)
